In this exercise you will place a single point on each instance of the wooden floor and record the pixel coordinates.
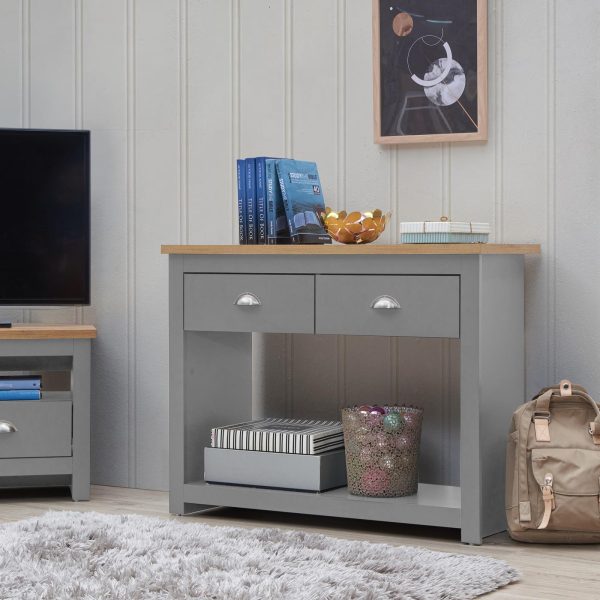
(549, 572)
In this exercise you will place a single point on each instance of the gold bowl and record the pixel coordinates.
(355, 227)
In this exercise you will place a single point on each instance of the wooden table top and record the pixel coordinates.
(40, 331)
(350, 249)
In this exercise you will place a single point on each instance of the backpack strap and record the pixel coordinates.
(541, 416)
(523, 469)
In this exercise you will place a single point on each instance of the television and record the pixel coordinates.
(44, 217)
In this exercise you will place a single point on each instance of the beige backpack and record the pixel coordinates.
(553, 468)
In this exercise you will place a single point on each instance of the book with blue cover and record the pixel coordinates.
(20, 395)
(261, 201)
(277, 227)
(251, 200)
(303, 201)
(20, 382)
(241, 190)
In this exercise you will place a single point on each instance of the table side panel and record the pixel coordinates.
(80, 387)
(470, 461)
(502, 375)
(176, 386)
(217, 390)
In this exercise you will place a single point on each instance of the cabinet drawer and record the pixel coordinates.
(429, 305)
(42, 429)
(281, 303)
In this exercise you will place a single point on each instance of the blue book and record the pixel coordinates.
(251, 200)
(261, 201)
(20, 395)
(241, 189)
(303, 201)
(277, 227)
(20, 382)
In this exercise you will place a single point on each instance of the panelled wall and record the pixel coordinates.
(175, 90)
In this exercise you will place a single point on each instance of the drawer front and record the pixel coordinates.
(43, 429)
(269, 303)
(429, 305)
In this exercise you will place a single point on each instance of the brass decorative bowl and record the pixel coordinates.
(355, 227)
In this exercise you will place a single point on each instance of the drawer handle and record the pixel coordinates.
(7, 427)
(385, 302)
(247, 299)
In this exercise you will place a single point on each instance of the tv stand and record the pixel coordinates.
(473, 293)
(47, 441)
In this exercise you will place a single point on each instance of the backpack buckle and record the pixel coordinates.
(542, 414)
(541, 421)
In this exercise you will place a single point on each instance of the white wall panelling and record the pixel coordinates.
(175, 90)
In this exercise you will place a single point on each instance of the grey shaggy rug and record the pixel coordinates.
(88, 556)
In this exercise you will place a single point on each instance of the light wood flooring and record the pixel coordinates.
(549, 572)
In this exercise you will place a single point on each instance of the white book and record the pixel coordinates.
(443, 227)
(292, 436)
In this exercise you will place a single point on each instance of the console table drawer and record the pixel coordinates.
(409, 305)
(263, 303)
(42, 429)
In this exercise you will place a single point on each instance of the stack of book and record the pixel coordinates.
(20, 387)
(294, 454)
(280, 201)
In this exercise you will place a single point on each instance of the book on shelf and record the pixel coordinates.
(291, 436)
(303, 201)
(20, 395)
(277, 229)
(261, 201)
(250, 200)
(20, 382)
(241, 191)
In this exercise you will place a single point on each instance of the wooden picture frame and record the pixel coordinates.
(455, 108)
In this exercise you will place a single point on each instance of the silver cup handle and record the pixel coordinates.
(7, 427)
(247, 299)
(385, 302)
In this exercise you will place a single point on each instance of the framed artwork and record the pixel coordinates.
(429, 70)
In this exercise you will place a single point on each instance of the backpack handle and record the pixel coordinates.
(566, 390)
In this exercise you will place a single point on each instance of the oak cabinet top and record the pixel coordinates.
(349, 250)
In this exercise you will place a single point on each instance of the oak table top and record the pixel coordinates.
(38, 331)
(349, 250)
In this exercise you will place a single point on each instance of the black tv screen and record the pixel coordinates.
(45, 217)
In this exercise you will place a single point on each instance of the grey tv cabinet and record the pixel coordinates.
(47, 442)
(219, 295)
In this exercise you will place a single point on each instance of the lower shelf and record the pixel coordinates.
(436, 505)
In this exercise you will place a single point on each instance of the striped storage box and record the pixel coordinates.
(444, 232)
(294, 436)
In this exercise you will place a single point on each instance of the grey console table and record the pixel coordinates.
(219, 295)
(47, 441)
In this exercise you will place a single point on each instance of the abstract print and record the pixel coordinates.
(428, 57)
